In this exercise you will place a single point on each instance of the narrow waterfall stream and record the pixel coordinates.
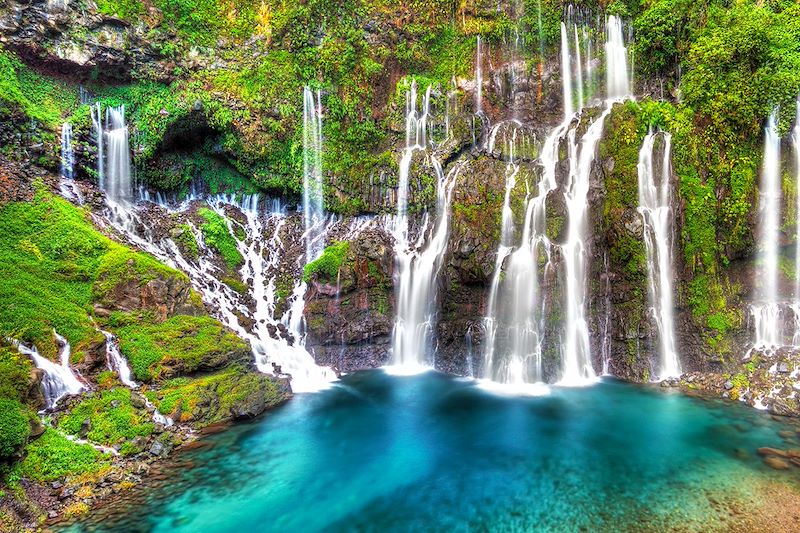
(576, 358)
(116, 362)
(766, 310)
(59, 379)
(66, 185)
(655, 205)
(796, 149)
(418, 261)
(313, 194)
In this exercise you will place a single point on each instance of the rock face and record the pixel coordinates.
(350, 317)
(66, 39)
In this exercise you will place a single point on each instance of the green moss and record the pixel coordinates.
(41, 98)
(326, 268)
(217, 235)
(113, 418)
(181, 344)
(15, 374)
(186, 241)
(14, 427)
(216, 397)
(52, 456)
(122, 266)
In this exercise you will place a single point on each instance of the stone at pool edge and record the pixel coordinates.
(777, 463)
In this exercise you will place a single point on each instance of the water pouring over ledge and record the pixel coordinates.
(766, 310)
(655, 207)
(59, 379)
(313, 194)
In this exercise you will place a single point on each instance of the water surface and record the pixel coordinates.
(434, 453)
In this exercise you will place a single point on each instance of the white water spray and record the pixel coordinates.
(656, 209)
(766, 311)
(313, 193)
(418, 263)
(59, 379)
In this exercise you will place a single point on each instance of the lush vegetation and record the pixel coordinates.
(54, 265)
(216, 397)
(180, 345)
(112, 418)
(217, 235)
(327, 266)
(52, 456)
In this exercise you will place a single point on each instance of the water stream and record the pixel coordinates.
(313, 194)
(655, 206)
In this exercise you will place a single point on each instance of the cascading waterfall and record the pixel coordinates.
(59, 379)
(116, 362)
(796, 304)
(766, 311)
(115, 154)
(576, 352)
(656, 209)
(66, 184)
(617, 81)
(271, 351)
(418, 264)
(566, 73)
(67, 153)
(313, 194)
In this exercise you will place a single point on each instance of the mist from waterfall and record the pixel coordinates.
(655, 206)
(766, 310)
(313, 193)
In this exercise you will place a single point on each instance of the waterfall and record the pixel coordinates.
(59, 379)
(617, 81)
(66, 185)
(657, 217)
(796, 304)
(313, 193)
(67, 154)
(116, 362)
(272, 351)
(578, 68)
(576, 352)
(418, 263)
(566, 73)
(766, 312)
(98, 131)
(113, 153)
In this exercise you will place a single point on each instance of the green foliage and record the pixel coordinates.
(52, 456)
(113, 418)
(218, 236)
(216, 397)
(15, 373)
(14, 427)
(186, 241)
(181, 344)
(326, 268)
(744, 62)
(124, 9)
(41, 98)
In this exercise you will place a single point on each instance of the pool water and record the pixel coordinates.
(429, 452)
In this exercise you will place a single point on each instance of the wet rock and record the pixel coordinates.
(138, 401)
(777, 463)
(728, 385)
(86, 427)
(766, 452)
(158, 449)
(783, 367)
